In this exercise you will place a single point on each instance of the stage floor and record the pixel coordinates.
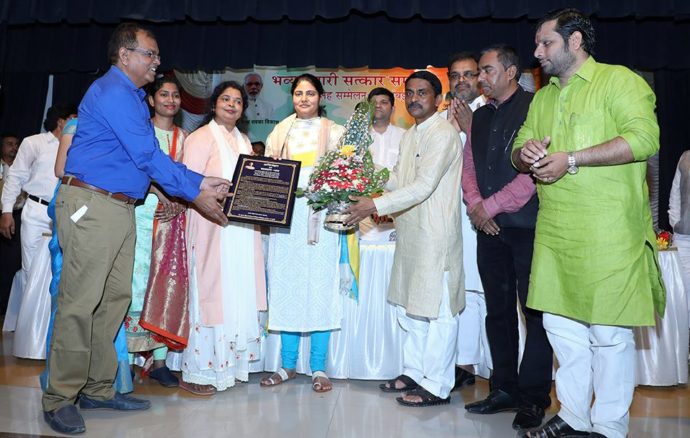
(353, 409)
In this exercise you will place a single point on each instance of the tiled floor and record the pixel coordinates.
(353, 409)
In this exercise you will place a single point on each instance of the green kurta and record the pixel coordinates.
(595, 256)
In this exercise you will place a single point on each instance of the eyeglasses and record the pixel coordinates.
(467, 75)
(147, 53)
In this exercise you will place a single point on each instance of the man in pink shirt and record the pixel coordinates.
(502, 204)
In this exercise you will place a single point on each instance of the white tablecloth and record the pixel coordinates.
(662, 351)
(369, 345)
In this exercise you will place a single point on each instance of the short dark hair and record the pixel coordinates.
(380, 91)
(259, 148)
(242, 123)
(125, 35)
(315, 82)
(507, 56)
(4, 135)
(461, 56)
(57, 112)
(429, 77)
(571, 20)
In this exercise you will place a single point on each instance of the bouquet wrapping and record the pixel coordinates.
(348, 170)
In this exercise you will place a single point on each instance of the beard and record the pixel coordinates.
(560, 63)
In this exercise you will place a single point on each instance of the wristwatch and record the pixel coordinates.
(572, 165)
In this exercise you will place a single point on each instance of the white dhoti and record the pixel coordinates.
(34, 310)
(473, 343)
(593, 359)
(429, 347)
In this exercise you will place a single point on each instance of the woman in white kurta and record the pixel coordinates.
(225, 284)
(303, 260)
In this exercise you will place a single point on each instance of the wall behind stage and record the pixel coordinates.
(343, 89)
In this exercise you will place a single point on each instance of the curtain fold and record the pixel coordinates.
(356, 41)
(85, 11)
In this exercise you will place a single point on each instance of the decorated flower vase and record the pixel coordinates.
(335, 218)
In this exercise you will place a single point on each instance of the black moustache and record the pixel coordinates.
(412, 105)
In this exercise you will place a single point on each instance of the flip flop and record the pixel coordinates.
(389, 386)
(315, 385)
(428, 399)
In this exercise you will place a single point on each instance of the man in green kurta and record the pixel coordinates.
(594, 274)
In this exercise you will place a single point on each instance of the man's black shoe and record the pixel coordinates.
(66, 419)
(120, 402)
(555, 428)
(528, 416)
(462, 378)
(497, 401)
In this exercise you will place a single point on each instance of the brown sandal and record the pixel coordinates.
(277, 378)
(317, 382)
(196, 389)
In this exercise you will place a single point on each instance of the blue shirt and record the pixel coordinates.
(115, 147)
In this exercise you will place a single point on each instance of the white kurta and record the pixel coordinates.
(385, 150)
(425, 201)
(219, 353)
(303, 282)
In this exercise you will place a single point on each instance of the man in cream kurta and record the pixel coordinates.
(427, 277)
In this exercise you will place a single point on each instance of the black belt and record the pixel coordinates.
(39, 200)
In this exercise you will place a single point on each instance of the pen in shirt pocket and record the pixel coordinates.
(510, 141)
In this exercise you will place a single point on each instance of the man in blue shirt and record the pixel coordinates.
(112, 160)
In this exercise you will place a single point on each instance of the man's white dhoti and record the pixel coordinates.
(429, 347)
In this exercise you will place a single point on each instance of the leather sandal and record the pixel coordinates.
(428, 399)
(316, 385)
(196, 389)
(276, 378)
(389, 386)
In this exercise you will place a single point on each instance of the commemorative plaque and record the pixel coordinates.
(264, 191)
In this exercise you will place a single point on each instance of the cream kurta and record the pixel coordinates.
(425, 200)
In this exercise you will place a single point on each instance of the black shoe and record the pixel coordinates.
(497, 401)
(66, 419)
(556, 428)
(528, 417)
(462, 378)
(164, 377)
(120, 402)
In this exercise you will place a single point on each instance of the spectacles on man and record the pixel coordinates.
(467, 75)
(147, 53)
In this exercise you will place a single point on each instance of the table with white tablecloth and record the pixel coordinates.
(662, 351)
(369, 344)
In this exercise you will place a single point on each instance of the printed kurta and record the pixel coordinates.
(303, 281)
(425, 201)
(595, 256)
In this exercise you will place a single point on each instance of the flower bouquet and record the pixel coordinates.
(345, 171)
(664, 240)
